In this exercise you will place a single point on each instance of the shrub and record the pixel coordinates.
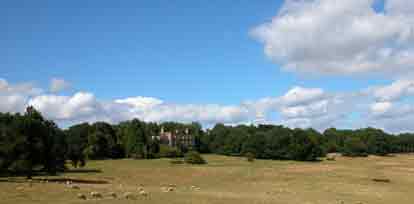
(355, 147)
(194, 157)
(169, 152)
(176, 161)
(250, 156)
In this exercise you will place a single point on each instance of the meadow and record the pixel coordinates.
(228, 180)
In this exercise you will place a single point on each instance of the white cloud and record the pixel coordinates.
(57, 85)
(12, 103)
(395, 91)
(399, 7)
(309, 110)
(13, 97)
(25, 88)
(340, 37)
(380, 107)
(77, 107)
(141, 103)
(299, 95)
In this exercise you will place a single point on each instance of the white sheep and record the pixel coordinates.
(128, 195)
(81, 196)
(113, 195)
(143, 193)
(74, 187)
(96, 195)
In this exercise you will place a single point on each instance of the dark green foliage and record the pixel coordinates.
(169, 152)
(355, 147)
(362, 142)
(28, 143)
(193, 157)
(77, 138)
(305, 145)
(101, 141)
(250, 156)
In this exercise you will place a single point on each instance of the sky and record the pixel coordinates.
(299, 63)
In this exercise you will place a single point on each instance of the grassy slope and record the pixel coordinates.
(233, 180)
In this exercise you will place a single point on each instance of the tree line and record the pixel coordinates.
(30, 144)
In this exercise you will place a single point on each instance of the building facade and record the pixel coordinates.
(176, 138)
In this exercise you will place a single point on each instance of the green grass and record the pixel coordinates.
(234, 180)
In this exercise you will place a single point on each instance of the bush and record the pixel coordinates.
(176, 161)
(355, 147)
(194, 157)
(250, 156)
(169, 152)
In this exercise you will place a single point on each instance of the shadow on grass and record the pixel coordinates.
(44, 173)
(44, 177)
(52, 180)
(82, 171)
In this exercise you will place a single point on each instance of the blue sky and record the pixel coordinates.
(190, 52)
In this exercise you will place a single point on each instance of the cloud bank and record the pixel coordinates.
(337, 37)
(379, 106)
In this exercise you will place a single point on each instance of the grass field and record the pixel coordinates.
(232, 180)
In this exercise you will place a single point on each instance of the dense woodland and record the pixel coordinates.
(30, 144)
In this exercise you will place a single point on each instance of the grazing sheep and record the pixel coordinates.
(81, 196)
(128, 195)
(143, 193)
(74, 187)
(113, 195)
(96, 195)
(331, 157)
(170, 189)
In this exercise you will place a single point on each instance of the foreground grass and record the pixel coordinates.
(233, 180)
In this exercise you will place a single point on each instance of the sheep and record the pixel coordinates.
(81, 196)
(164, 189)
(167, 189)
(143, 193)
(74, 187)
(331, 157)
(113, 195)
(128, 195)
(96, 195)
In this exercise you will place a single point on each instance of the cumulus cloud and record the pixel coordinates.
(84, 107)
(13, 97)
(394, 91)
(380, 107)
(57, 85)
(77, 107)
(304, 107)
(299, 95)
(340, 37)
(140, 103)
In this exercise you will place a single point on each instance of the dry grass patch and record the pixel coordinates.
(230, 180)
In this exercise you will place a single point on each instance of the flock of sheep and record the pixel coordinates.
(127, 195)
